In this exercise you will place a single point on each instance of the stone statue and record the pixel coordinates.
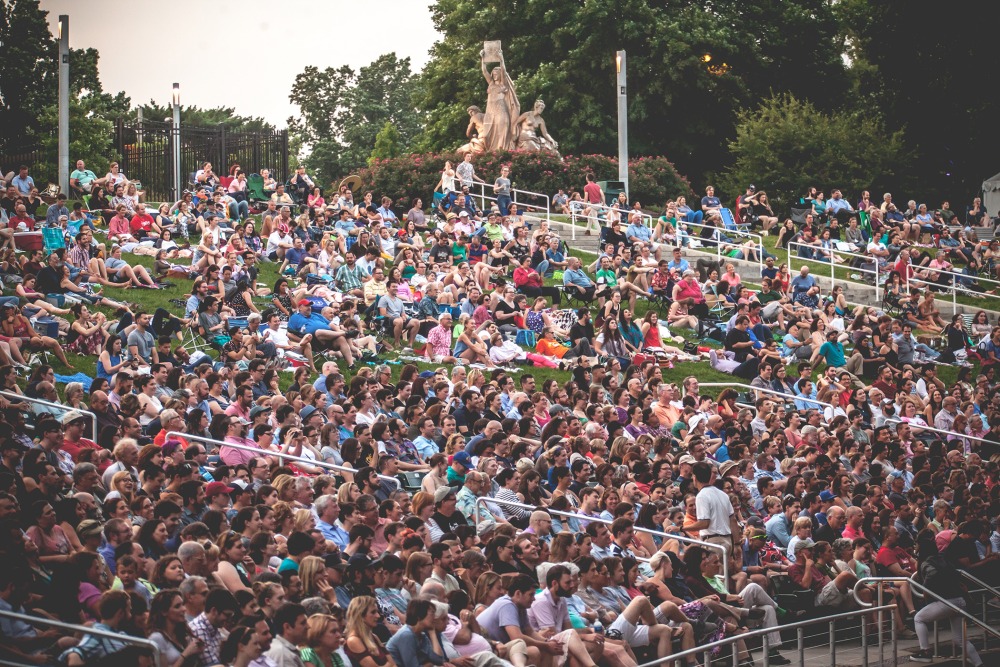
(502, 107)
(475, 132)
(532, 135)
(502, 127)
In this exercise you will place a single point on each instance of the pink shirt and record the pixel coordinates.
(439, 340)
(689, 288)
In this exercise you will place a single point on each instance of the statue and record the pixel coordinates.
(532, 135)
(502, 107)
(475, 132)
(502, 127)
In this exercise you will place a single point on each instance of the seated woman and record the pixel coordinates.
(679, 315)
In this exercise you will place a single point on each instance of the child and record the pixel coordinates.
(128, 579)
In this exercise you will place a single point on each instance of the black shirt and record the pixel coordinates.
(616, 238)
(440, 254)
(448, 524)
(578, 331)
(736, 336)
(504, 308)
(48, 281)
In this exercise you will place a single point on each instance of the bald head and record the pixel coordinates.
(433, 590)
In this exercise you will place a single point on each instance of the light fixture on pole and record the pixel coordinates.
(63, 164)
(177, 140)
(622, 120)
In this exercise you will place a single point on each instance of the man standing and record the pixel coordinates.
(716, 521)
(466, 171)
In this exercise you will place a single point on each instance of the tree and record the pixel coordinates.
(386, 144)
(927, 68)
(343, 111)
(679, 104)
(28, 76)
(787, 145)
(197, 117)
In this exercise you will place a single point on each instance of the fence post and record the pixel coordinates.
(223, 152)
(284, 154)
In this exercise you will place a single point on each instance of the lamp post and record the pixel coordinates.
(63, 164)
(177, 140)
(622, 120)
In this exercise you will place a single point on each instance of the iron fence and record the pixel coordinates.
(146, 150)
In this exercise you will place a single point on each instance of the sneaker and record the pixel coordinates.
(923, 655)
(775, 658)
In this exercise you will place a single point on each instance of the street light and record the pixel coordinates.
(622, 120)
(63, 164)
(177, 140)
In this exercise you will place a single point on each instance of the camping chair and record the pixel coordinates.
(730, 222)
(798, 215)
(255, 188)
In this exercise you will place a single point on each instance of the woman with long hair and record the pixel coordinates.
(178, 647)
(489, 587)
(240, 648)
(53, 544)
(363, 648)
(232, 572)
(312, 576)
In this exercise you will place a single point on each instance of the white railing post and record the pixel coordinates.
(63, 409)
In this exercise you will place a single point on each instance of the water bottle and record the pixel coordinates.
(598, 628)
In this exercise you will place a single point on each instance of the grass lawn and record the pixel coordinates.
(150, 300)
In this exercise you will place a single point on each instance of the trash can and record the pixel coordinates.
(611, 190)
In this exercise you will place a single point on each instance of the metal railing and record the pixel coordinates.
(85, 630)
(63, 409)
(483, 500)
(984, 589)
(715, 239)
(952, 286)
(763, 633)
(868, 259)
(771, 392)
(482, 196)
(267, 452)
(937, 430)
(926, 592)
(647, 219)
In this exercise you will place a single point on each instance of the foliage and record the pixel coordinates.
(386, 144)
(652, 179)
(564, 52)
(198, 117)
(786, 145)
(28, 76)
(343, 111)
(926, 68)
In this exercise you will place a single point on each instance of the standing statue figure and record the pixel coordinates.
(502, 108)
(475, 132)
(532, 135)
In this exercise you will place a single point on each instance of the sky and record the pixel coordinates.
(267, 51)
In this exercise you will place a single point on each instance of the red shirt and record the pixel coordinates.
(74, 449)
(141, 222)
(28, 221)
(527, 277)
(887, 556)
(593, 193)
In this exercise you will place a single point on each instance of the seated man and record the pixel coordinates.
(305, 321)
(577, 282)
(832, 595)
(82, 179)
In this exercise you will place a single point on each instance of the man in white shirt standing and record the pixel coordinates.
(716, 520)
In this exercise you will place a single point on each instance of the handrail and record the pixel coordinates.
(763, 632)
(833, 265)
(756, 238)
(916, 585)
(514, 192)
(954, 283)
(604, 207)
(63, 408)
(268, 452)
(937, 430)
(482, 500)
(123, 638)
(773, 392)
(979, 582)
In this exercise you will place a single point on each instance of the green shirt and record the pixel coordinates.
(459, 253)
(609, 277)
(767, 297)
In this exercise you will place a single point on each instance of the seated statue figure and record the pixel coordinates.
(474, 132)
(532, 135)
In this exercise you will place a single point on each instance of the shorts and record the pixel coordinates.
(632, 634)
(831, 596)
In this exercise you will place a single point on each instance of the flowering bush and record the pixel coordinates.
(652, 180)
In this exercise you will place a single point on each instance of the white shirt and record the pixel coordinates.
(713, 504)
(274, 239)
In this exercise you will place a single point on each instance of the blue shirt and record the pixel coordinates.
(576, 277)
(681, 265)
(801, 402)
(303, 325)
(778, 530)
(334, 533)
(294, 255)
(409, 649)
(835, 205)
(640, 232)
(803, 284)
(23, 185)
(426, 447)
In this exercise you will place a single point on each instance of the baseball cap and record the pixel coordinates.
(334, 561)
(442, 493)
(464, 459)
(215, 488)
(687, 458)
(804, 544)
(237, 486)
(72, 416)
(89, 528)
(258, 409)
(304, 302)
(463, 214)
(826, 495)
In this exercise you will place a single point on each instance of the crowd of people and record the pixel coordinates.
(468, 515)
